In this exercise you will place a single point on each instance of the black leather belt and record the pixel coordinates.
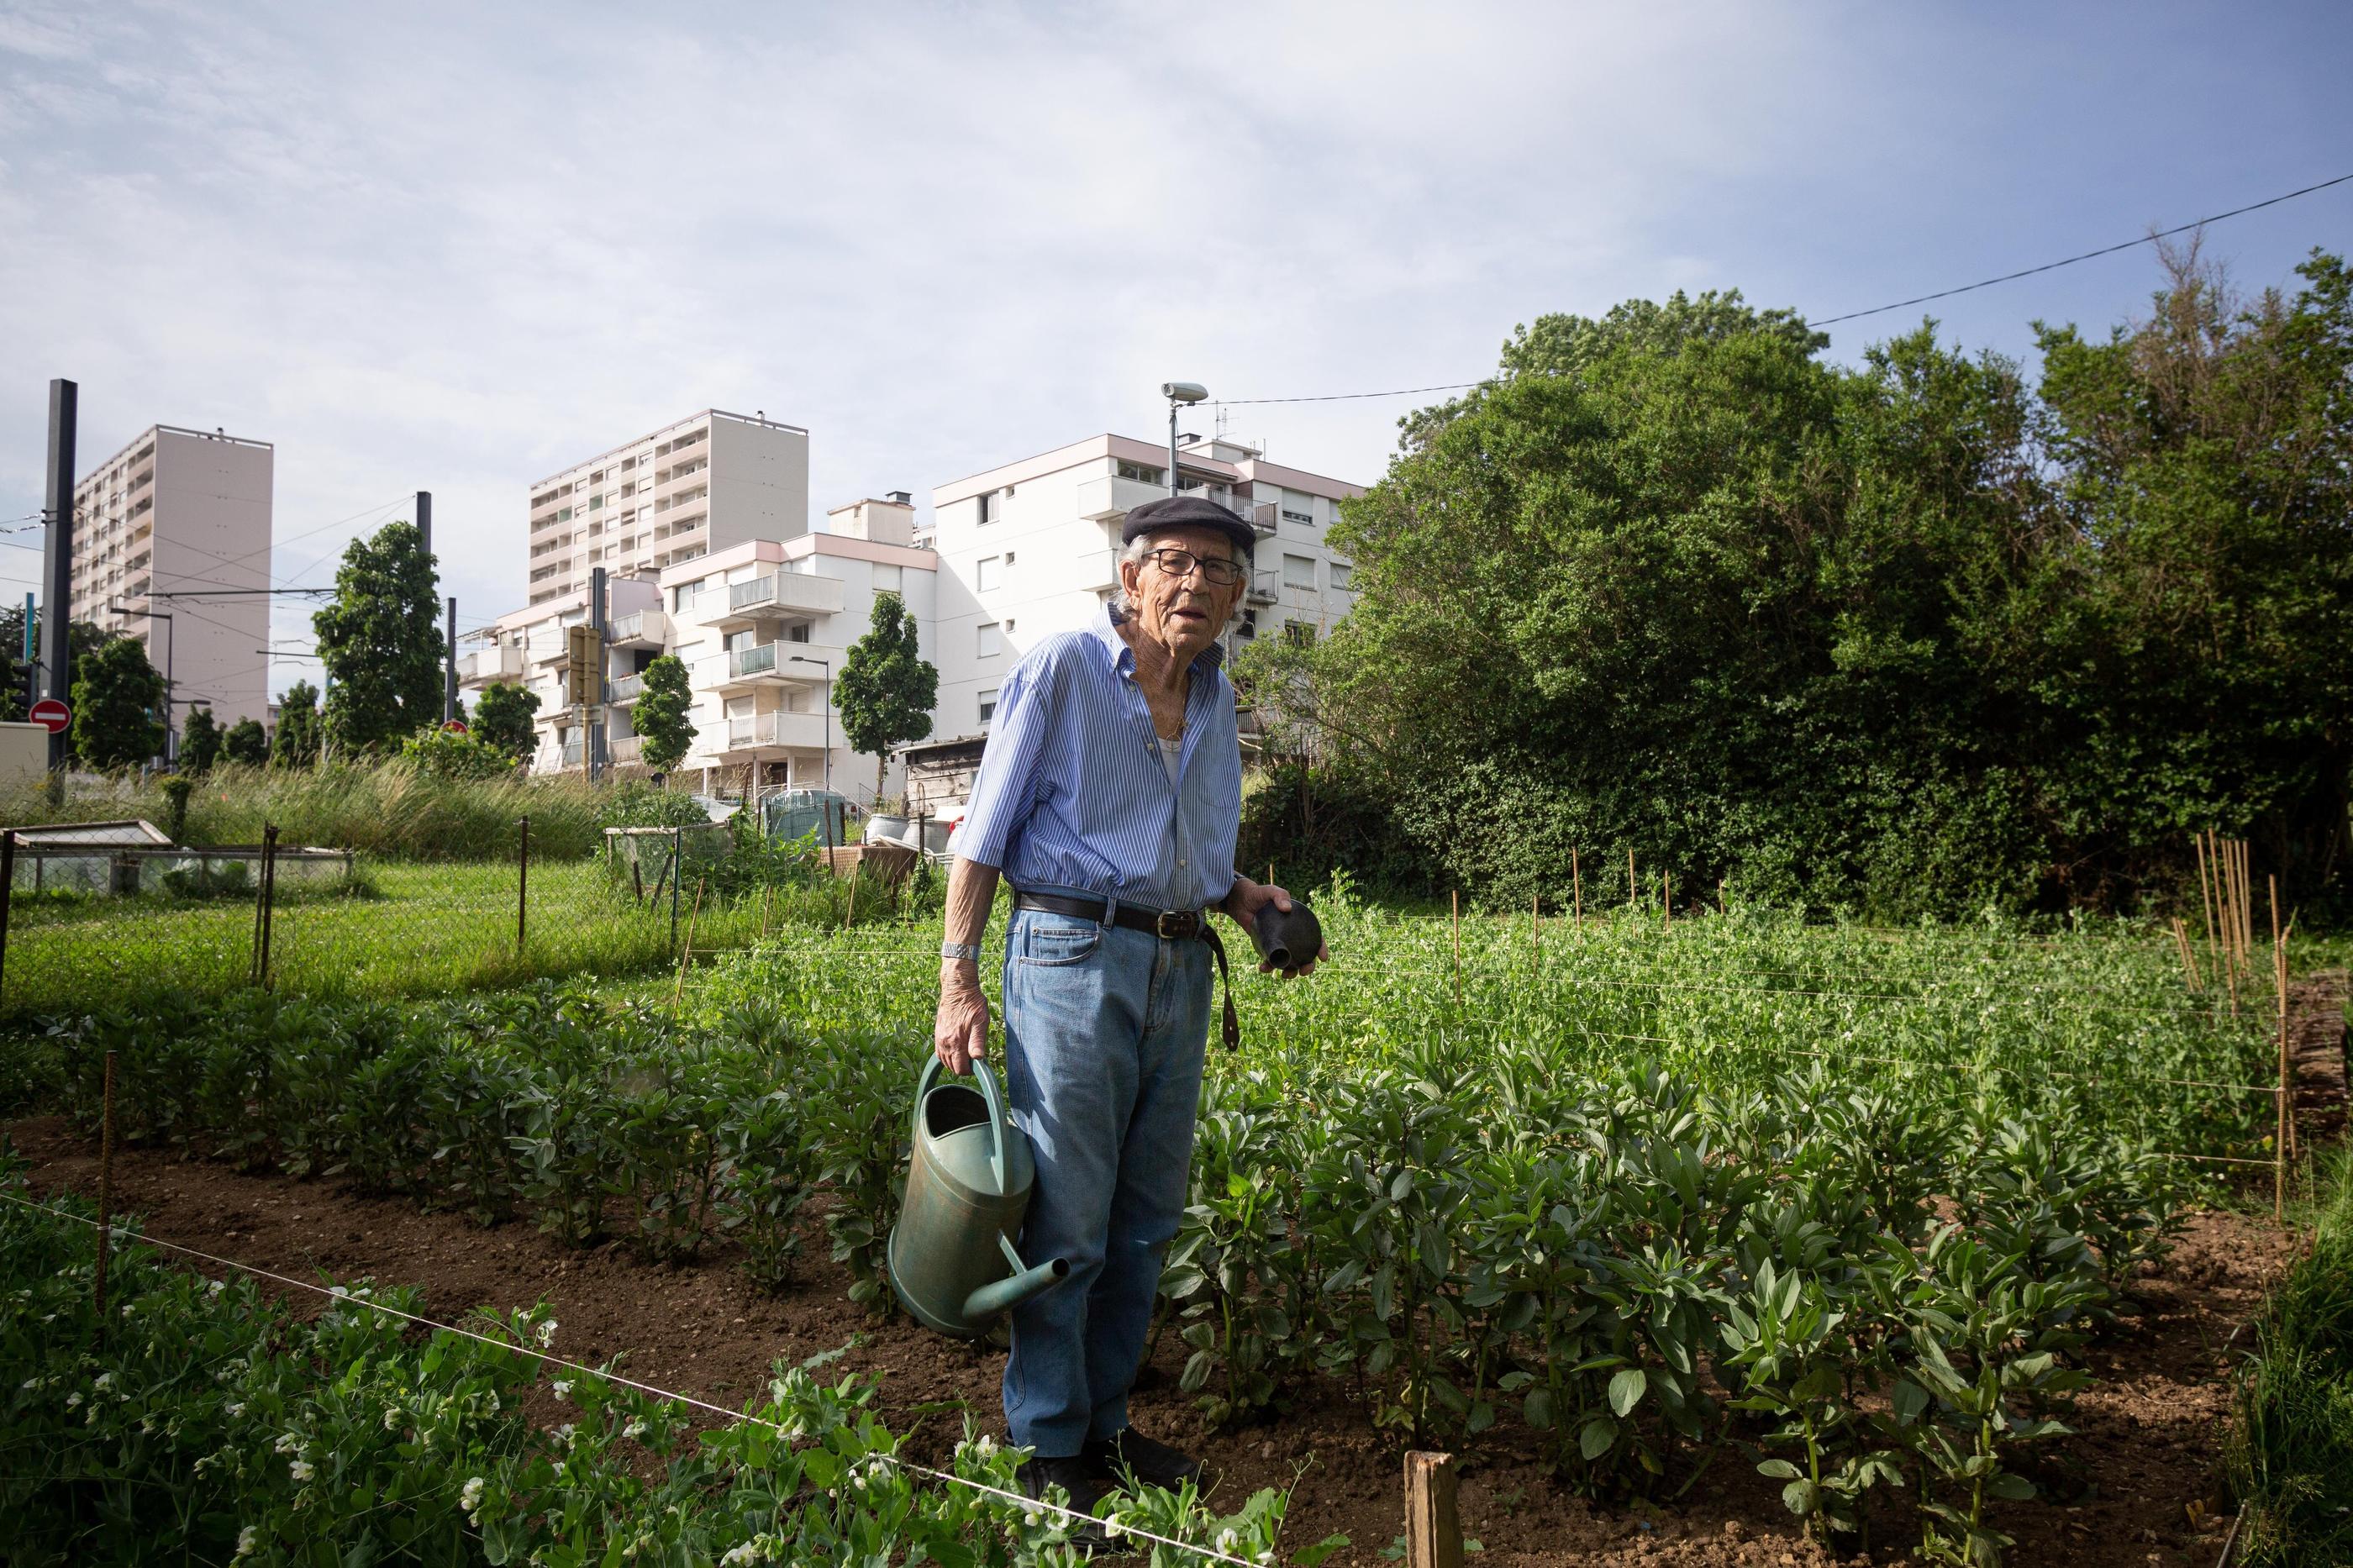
(1169, 925)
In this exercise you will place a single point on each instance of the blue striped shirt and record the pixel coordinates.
(1073, 795)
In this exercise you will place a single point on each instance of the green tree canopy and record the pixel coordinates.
(1911, 636)
(503, 718)
(660, 714)
(200, 743)
(296, 743)
(118, 706)
(245, 742)
(885, 692)
(380, 640)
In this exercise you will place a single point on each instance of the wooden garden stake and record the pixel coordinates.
(1457, 895)
(1535, 930)
(1666, 904)
(105, 1194)
(1433, 1531)
(687, 953)
(522, 883)
(767, 895)
(1634, 888)
(1577, 887)
(1722, 906)
(2189, 955)
(8, 890)
(2205, 889)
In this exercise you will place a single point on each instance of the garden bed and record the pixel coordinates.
(2119, 1491)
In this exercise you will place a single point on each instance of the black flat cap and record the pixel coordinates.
(1189, 512)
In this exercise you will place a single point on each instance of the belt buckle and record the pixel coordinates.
(1173, 925)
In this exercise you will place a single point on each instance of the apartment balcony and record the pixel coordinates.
(497, 661)
(572, 750)
(628, 751)
(1265, 517)
(779, 596)
(1265, 587)
(1104, 574)
(625, 689)
(646, 628)
(767, 664)
(766, 735)
(550, 645)
(1107, 495)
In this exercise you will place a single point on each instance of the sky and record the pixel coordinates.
(460, 248)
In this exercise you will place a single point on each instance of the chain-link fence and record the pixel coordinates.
(90, 927)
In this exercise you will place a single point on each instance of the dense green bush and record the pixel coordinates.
(1911, 637)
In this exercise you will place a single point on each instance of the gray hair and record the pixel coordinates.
(1141, 547)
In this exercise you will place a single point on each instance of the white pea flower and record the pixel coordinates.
(546, 1332)
(562, 1388)
(392, 1418)
(246, 1539)
(1112, 1527)
(29, 1383)
(288, 1443)
(1226, 1539)
(634, 1429)
(214, 1288)
(470, 1499)
(301, 1470)
(104, 1380)
(73, 1400)
(338, 1292)
(236, 1410)
(748, 1553)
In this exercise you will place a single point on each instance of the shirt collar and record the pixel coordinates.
(1123, 657)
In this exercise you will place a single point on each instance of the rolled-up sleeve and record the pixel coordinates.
(1008, 782)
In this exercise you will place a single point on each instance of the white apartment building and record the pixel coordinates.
(1032, 548)
(762, 626)
(181, 510)
(691, 488)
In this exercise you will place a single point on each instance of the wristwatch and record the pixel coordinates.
(965, 949)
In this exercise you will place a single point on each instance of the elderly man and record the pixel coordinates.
(1109, 797)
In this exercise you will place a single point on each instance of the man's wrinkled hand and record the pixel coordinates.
(1244, 903)
(960, 1031)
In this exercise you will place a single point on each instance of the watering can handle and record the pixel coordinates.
(988, 1093)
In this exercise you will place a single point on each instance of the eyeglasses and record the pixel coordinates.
(1180, 563)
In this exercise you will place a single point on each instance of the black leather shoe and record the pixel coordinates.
(1153, 1464)
(1084, 1487)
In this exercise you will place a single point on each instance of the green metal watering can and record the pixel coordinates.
(967, 1188)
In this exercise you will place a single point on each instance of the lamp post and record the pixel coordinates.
(1177, 392)
(827, 665)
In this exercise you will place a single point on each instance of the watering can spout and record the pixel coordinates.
(1006, 1294)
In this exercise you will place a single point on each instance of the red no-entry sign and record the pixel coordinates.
(453, 726)
(51, 714)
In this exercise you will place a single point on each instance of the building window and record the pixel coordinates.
(1141, 474)
(991, 506)
(564, 515)
(683, 597)
(992, 640)
(890, 579)
(798, 632)
(1298, 633)
(1303, 518)
(989, 572)
(1298, 572)
(988, 706)
(1341, 574)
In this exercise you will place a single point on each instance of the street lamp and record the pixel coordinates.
(1177, 392)
(827, 665)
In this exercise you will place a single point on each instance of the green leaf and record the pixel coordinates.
(1309, 1556)
(1625, 1389)
(1538, 1409)
(1594, 1438)
(1908, 1400)
(2012, 1487)
(1779, 1469)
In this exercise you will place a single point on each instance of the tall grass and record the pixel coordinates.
(2290, 1455)
(393, 809)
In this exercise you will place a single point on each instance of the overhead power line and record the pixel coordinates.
(1877, 309)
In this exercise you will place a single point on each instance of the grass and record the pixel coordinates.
(2290, 1454)
(400, 931)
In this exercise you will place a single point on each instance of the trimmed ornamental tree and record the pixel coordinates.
(885, 692)
(246, 742)
(296, 745)
(503, 718)
(380, 639)
(200, 743)
(659, 716)
(116, 695)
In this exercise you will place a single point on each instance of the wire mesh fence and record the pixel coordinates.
(99, 928)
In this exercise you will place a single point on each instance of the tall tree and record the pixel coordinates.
(118, 702)
(200, 743)
(503, 718)
(660, 714)
(380, 640)
(885, 692)
(296, 743)
(245, 742)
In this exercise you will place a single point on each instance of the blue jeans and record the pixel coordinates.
(1105, 1030)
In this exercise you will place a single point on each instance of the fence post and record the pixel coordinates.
(523, 884)
(1433, 1531)
(269, 900)
(7, 895)
(2285, 1129)
(676, 869)
(105, 1194)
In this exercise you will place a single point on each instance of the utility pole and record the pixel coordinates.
(425, 526)
(57, 564)
(32, 663)
(593, 751)
(449, 669)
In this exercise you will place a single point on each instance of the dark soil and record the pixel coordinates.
(2121, 1491)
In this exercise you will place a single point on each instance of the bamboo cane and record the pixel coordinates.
(1457, 896)
(2188, 955)
(2205, 891)
(1666, 904)
(1576, 889)
(1633, 887)
(1535, 930)
(2286, 1120)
